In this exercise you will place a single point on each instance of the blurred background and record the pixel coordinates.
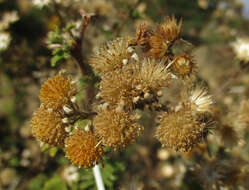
(218, 32)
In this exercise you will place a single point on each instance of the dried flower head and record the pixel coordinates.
(183, 66)
(140, 80)
(111, 57)
(179, 130)
(57, 91)
(116, 129)
(170, 29)
(143, 35)
(83, 149)
(241, 49)
(47, 126)
(200, 101)
(164, 36)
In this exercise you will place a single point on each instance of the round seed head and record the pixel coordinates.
(116, 129)
(83, 149)
(48, 127)
(179, 131)
(57, 92)
(111, 57)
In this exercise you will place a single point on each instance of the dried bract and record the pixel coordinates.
(83, 149)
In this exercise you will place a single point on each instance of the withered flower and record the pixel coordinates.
(141, 80)
(83, 149)
(179, 130)
(164, 37)
(116, 129)
(143, 35)
(57, 91)
(111, 57)
(183, 66)
(47, 126)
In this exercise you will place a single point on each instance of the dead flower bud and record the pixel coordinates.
(142, 37)
(179, 130)
(116, 129)
(57, 91)
(83, 149)
(183, 66)
(48, 127)
(164, 36)
(110, 57)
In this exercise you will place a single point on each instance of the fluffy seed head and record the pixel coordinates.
(116, 129)
(83, 149)
(57, 91)
(179, 130)
(200, 100)
(48, 127)
(111, 57)
(183, 66)
(148, 76)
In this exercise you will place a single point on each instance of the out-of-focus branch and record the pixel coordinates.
(77, 53)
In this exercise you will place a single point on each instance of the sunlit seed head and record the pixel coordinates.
(57, 91)
(179, 130)
(110, 57)
(116, 129)
(81, 149)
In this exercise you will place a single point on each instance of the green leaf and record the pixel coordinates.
(37, 182)
(56, 59)
(53, 151)
(55, 183)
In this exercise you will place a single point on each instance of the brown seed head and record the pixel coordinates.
(57, 91)
(136, 80)
(83, 149)
(116, 129)
(179, 130)
(47, 126)
(111, 57)
(183, 66)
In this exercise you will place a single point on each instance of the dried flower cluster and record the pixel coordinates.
(52, 123)
(130, 79)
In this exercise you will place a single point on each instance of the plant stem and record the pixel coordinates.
(98, 177)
